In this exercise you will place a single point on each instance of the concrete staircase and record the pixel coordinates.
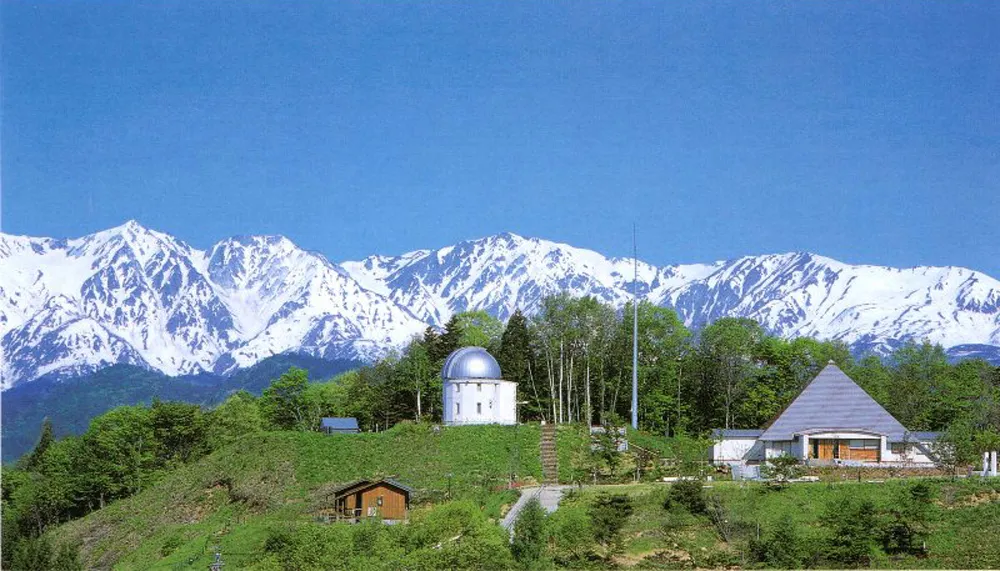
(549, 455)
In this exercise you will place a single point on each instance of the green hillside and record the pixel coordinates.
(281, 478)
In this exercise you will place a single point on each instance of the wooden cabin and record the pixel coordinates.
(386, 500)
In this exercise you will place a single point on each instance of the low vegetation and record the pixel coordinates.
(896, 524)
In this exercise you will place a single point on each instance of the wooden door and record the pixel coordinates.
(825, 449)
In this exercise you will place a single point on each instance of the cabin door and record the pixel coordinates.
(825, 449)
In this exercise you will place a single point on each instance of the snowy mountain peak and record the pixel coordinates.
(143, 297)
(134, 295)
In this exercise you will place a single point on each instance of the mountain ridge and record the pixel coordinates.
(138, 296)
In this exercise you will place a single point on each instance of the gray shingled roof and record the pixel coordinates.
(736, 433)
(832, 401)
(336, 423)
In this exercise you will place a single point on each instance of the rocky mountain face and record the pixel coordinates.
(136, 296)
(133, 295)
(794, 294)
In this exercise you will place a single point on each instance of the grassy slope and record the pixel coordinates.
(965, 535)
(234, 495)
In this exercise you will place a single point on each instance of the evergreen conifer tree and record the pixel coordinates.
(529, 534)
(432, 341)
(45, 440)
(451, 339)
(515, 348)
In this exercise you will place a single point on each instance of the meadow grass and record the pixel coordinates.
(269, 478)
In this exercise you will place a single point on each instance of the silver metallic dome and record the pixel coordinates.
(471, 363)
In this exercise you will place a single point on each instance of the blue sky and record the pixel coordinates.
(868, 132)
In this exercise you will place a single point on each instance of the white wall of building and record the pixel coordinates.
(479, 401)
(737, 449)
(915, 453)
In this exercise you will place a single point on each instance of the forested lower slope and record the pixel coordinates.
(71, 403)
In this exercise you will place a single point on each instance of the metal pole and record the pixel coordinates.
(635, 335)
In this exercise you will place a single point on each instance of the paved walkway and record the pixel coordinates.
(548, 496)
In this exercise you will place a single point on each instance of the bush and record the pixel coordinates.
(783, 549)
(170, 545)
(529, 534)
(38, 553)
(727, 523)
(609, 513)
(782, 469)
(279, 539)
(687, 494)
(854, 528)
(571, 533)
(907, 528)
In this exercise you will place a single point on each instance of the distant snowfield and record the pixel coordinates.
(134, 295)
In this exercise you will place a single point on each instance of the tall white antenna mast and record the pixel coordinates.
(635, 334)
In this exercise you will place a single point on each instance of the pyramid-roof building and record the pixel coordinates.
(833, 402)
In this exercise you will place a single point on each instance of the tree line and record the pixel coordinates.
(572, 362)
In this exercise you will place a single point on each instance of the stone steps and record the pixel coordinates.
(549, 455)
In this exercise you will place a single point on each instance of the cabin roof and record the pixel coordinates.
(362, 485)
(737, 433)
(336, 423)
(833, 402)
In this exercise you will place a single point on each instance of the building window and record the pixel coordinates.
(458, 409)
(378, 501)
(479, 408)
(479, 387)
(865, 444)
(781, 448)
(458, 388)
(900, 447)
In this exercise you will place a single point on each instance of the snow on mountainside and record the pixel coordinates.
(133, 295)
(795, 294)
(286, 299)
(501, 273)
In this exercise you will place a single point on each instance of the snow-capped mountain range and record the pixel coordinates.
(134, 295)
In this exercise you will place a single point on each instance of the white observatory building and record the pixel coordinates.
(474, 392)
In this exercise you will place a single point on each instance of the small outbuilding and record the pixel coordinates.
(334, 425)
(386, 500)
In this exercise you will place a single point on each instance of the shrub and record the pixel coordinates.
(170, 545)
(38, 553)
(570, 530)
(783, 549)
(529, 534)
(727, 524)
(854, 528)
(782, 469)
(609, 513)
(279, 539)
(907, 528)
(687, 494)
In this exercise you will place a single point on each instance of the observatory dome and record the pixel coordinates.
(471, 363)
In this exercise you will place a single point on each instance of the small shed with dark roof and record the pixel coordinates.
(334, 425)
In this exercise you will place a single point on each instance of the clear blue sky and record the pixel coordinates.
(868, 132)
